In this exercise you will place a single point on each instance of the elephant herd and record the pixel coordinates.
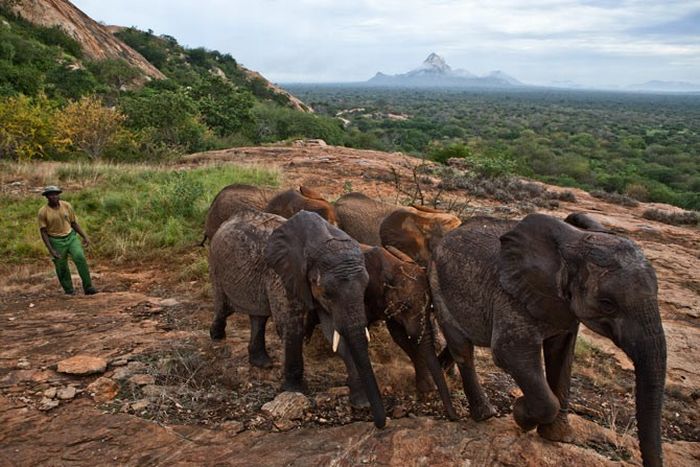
(520, 288)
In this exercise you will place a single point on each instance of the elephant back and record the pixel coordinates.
(230, 200)
(236, 259)
(360, 216)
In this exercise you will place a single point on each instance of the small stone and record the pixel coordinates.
(121, 361)
(103, 389)
(23, 364)
(140, 405)
(142, 380)
(66, 393)
(82, 365)
(50, 393)
(48, 404)
(287, 405)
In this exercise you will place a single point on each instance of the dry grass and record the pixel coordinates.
(673, 217)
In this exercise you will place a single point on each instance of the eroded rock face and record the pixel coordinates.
(82, 365)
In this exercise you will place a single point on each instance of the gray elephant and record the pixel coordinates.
(323, 271)
(523, 288)
(398, 293)
(232, 199)
(265, 266)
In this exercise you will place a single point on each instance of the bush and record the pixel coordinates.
(27, 129)
(89, 126)
(615, 198)
(673, 217)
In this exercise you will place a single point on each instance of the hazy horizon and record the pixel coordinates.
(593, 43)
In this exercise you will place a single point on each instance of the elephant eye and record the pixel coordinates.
(607, 305)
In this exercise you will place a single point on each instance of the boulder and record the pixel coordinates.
(103, 389)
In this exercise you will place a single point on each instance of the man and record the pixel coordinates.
(58, 226)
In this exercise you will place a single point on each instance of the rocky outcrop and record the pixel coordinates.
(97, 41)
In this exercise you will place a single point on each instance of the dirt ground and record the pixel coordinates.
(183, 399)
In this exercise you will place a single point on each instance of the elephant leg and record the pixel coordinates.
(558, 356)
(222, 310)
(257, 354)
(523, 361)
(424, 384)
(358, 396)
(462, 350)
(293, 353)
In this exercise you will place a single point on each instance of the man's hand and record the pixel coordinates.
(55, 254)
(86, 242)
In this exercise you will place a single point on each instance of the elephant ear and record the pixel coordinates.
(285, 254)
(534, 271)
(310, 193)
(401, 230)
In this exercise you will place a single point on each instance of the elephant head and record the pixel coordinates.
(585, 222)
(416, 231)
(563, 275)
(323, 269)
(289, 202)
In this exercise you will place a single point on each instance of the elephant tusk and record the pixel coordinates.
(336, 340)
(367, 333)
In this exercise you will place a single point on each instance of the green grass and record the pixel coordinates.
(128, 211)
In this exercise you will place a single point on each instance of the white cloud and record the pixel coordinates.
(328, 40)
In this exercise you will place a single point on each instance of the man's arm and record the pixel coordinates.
(45, 238)
(76, 227)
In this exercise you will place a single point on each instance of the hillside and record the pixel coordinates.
(170, 395)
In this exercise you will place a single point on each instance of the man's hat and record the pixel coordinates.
(51, 189)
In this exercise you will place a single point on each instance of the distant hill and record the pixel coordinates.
(666, 86)
(435, 72)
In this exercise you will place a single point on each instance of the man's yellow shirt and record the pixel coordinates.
(57, 221)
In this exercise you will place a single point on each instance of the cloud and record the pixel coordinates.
(328, 40)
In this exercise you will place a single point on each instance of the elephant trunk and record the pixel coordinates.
(426, 351)
(356, 340)
(645, 344)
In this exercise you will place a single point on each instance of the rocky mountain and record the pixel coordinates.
(96, 40)
(435, 72)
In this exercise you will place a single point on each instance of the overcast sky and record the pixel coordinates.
(589, 42)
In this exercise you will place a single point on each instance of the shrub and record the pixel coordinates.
(615, 198)
(673, 217)
(27, 128)
(89, 126)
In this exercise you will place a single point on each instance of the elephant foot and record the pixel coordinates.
(260, 360)
(293, 385)
(520, 414)
(217, 331)
(559, 430)
(425, 388)
(482, 411)
(358, 400)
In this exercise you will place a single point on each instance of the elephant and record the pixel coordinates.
(398, 293)
(416, 231)
(323, 272)
(360, 216)
(230, 200)
(264, 265)
(585, 222)
(235, 197)
(289, 202)
(408, 228)
(522, 288)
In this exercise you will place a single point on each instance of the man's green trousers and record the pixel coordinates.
(70, 246)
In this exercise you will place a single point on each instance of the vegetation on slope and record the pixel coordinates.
(643, 146)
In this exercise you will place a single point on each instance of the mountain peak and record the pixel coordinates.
(436, 63)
